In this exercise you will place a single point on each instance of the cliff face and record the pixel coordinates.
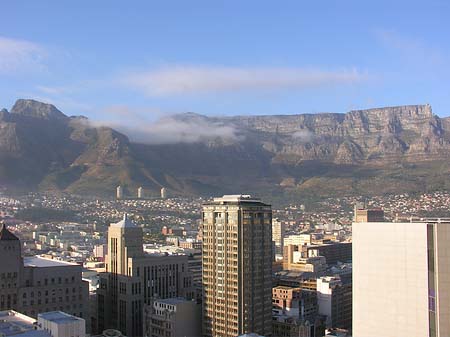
(374, 136)
(363, 151)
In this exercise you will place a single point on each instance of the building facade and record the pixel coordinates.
(133, 279)
(278, 230)
(401, 278)
(173, 317)
(237, 267)
(32, 285)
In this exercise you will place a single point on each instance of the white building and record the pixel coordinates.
(278, 229)
(140, 193)
(163, 193)
(298, 239)
(60, 324)
(119, 192)
(16, 324)
(401, 279)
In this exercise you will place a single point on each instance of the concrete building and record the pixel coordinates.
(364, 214)
(163, 193)
(278, 229)
(60, 324)
(173, 317)
(119, 192)
(401, 278)
(298, 260)
(298, 239)
(237, 266)
(140, 193)
(333, 252)
(133, 279)
(32, 285)
(334, 298)
(15, 324)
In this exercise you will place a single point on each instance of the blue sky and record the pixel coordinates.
(105, 59)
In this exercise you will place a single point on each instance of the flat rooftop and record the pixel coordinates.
(41, 262)
(59, 317)
(15, 324)
(173, 301)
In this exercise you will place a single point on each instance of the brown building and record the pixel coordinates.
(364, 214)
(33, 285)
(237, 267)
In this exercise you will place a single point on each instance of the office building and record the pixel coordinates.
(334, 297)
(119, 192)
(401, 278)
(163, 193)
(364, 214)
(60, 324)
(173, 317)
(133, 279)
(237, 267)
(32, 285)
(333, 252)
(278, 235)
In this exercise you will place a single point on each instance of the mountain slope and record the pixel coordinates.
(375, 151)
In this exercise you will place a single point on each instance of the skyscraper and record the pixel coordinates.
(140, 193)
(237, 267)
(401, 278)
(119, 192)
(278, 235)
(134, 279)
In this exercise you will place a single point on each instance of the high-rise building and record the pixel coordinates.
(119, 192)
(34, 284)
(140, 193)
(278, 235)
(173, 317)
(133, 279)
(163, 193)
(237, 266)
(401, 278)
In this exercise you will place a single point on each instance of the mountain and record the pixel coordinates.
(373, 151)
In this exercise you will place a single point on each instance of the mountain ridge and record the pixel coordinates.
(282, 155)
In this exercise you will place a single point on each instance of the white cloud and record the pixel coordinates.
(139, 126)
(303, 136)
(203, 79)
(18, 55)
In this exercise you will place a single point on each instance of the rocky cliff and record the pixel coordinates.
(364, 151)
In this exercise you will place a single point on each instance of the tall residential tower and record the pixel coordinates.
(237, 267)
(401, 278)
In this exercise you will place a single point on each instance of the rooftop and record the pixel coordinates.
(124, 223)
(6, 235)
(236, 198)
(59, 317)
(173, 301)
(40, 262)
(16, 324)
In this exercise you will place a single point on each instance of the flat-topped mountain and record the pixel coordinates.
(373, 151)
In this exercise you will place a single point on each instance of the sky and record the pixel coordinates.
(114, 60)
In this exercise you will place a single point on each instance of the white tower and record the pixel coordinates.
(119, 192)
(163, 193)
(140, 193)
